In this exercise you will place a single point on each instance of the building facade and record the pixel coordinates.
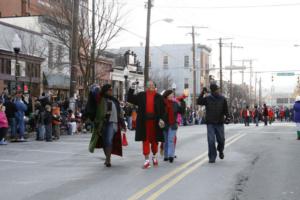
(22, 8)
(27, 74)
(172, 63)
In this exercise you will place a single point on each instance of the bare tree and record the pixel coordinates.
(94, 38)
(162, 81)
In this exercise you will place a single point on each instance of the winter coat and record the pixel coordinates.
(21, 109)
(159, 108)
(216, 108)
(3, 120)
(47, 118)
(10, 109)
(100, 120)
(297, 112)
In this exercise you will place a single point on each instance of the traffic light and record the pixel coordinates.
(272, 78)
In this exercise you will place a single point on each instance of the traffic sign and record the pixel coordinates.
(286, 74)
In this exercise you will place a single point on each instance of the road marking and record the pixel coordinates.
(18, 161)
(185, 173)
(171, 174)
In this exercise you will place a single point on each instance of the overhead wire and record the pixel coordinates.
(129, 31)
(231, 7)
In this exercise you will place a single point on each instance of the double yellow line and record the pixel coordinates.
(189, 167)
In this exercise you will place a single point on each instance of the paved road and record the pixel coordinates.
(260, 163)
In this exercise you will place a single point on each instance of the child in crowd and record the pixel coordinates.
(56, 121)
(3, 124)
(48, 123)
(71, 123)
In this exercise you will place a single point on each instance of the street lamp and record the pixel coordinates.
(17, 45)
(167, 20)
(126, 74)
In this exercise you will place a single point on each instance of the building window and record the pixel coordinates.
(5, 66)
(186, 83)
(32, 70)
(59, 54)
(28, 70)
(166, 61)
(186, 61)
(2, 69)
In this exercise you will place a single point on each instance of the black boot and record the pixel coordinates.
(107, 151)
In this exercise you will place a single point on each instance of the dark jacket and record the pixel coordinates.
(266, 113)
(10, 109)
(297, 112)
(216, 108)
(47, 118)
(140, 100)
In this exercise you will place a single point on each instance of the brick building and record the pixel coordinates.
(29, 60)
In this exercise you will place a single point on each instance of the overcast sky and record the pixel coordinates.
(267, 29)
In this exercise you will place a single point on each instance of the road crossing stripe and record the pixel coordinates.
(172, 174)
(184, 174)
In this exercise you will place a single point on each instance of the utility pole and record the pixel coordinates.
(147, 47)
(194, 68)
(231, 68)
(250, 85)
(221, 68)
(194, 61)
(93, 53)
(260, 92)
(243, 74)
(255, 89)
(74, 45)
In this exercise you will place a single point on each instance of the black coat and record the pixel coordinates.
(10, 109)
(140, 100)
(216, 108)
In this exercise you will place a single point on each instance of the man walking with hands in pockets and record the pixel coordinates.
(216, 115)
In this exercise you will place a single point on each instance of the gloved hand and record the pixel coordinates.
(227, 120)
(161, 123)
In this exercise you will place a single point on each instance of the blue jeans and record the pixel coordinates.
(48, 129)
(12, 126)
(215, 131)
(169, 145)
(109, 132)
(129, 122)
(20, 126)
(256, 121)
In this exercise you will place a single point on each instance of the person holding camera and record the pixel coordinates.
(149, 122)
(216, 115)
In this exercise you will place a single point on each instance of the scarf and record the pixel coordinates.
(150, 101)
(170, 111)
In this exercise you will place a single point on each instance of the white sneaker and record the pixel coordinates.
(146, 164)
(22, 139)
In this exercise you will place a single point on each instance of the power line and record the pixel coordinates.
(129, 31)
(231, 7)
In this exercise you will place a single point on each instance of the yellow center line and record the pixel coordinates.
(184, 174)
(171, 174)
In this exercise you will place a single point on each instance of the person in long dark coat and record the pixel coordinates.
(108, 122)
(149, 122)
